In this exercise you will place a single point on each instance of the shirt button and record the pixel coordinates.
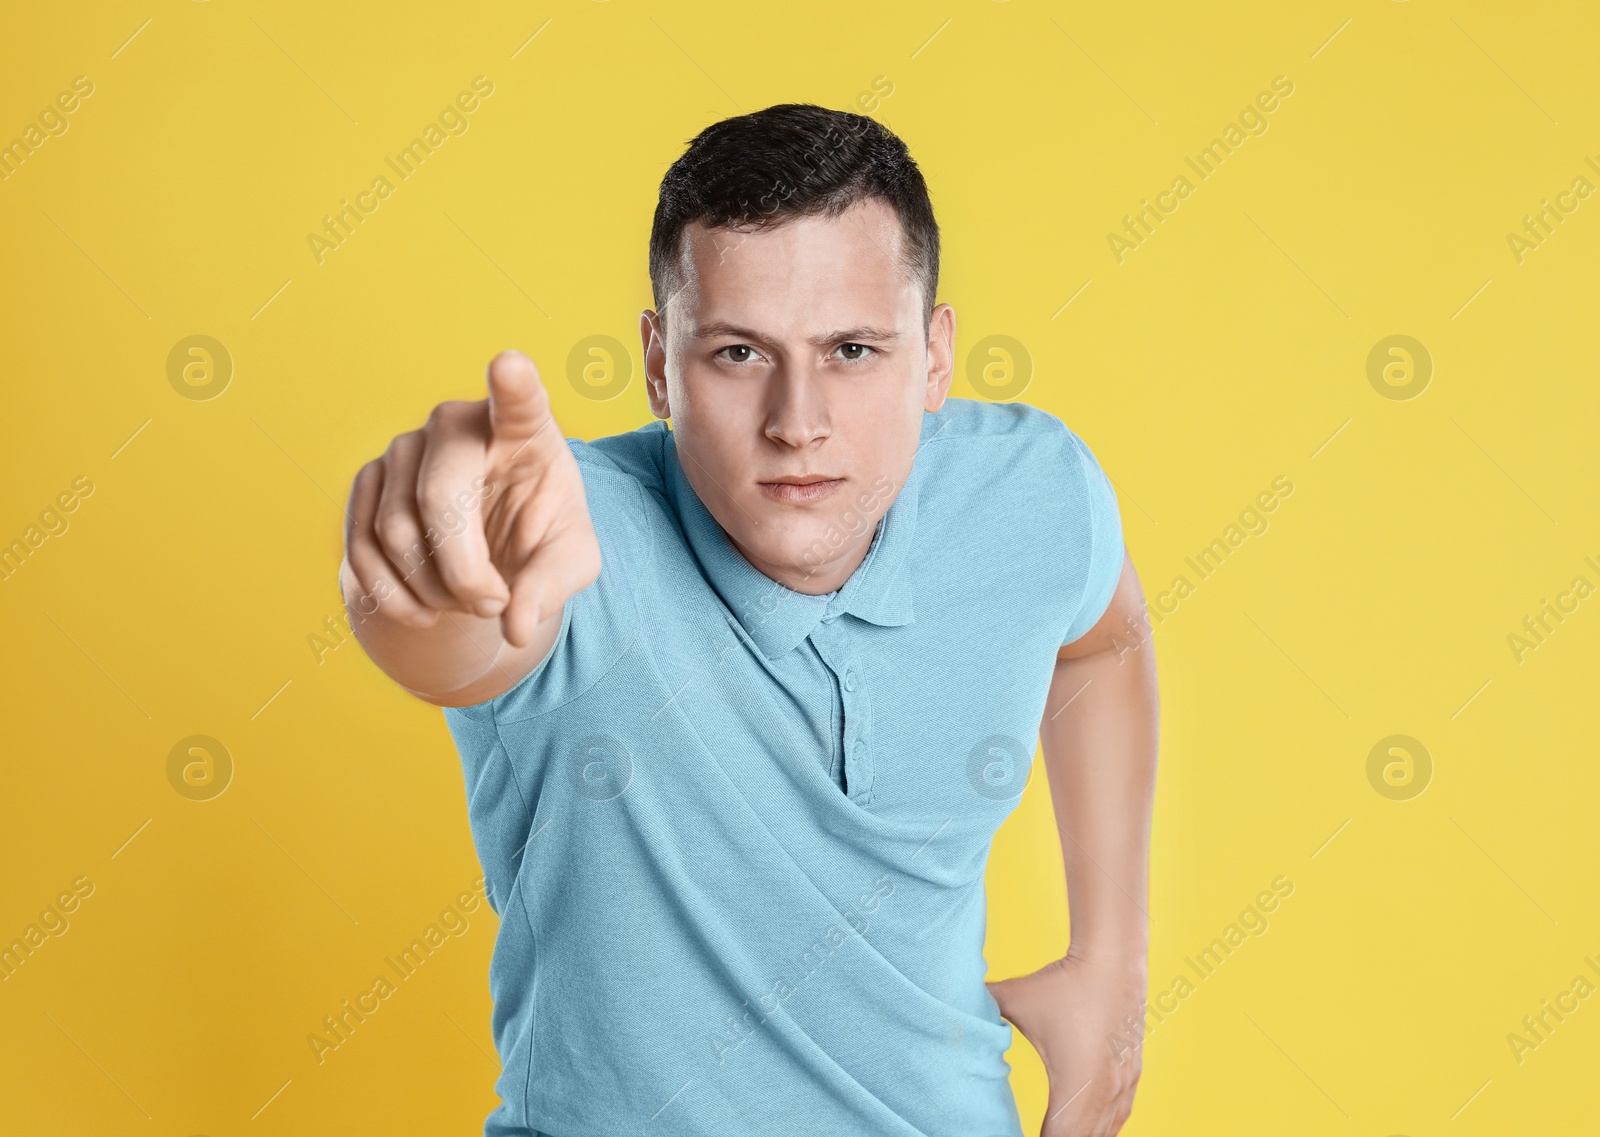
(859, 751)
(849, 678)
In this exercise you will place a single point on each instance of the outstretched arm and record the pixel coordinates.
(1084, 1013)
(465, 540)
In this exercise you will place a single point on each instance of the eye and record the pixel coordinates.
(856, 352)
(749, 353)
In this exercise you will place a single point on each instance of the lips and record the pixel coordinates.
(800, 489)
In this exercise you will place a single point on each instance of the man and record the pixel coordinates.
(742, 700)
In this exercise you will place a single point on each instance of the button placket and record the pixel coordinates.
(834, 646)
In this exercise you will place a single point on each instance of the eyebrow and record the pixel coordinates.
(863, 334)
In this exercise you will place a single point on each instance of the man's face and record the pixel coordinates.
(799, 352)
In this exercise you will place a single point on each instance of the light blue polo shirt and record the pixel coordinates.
(736, 834)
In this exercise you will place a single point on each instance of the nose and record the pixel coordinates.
(797, 414)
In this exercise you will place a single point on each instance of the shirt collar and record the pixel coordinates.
(775, 616)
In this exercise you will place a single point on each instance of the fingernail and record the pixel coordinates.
(489, 606)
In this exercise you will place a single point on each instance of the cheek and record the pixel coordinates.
(723, 450)
(721, 412)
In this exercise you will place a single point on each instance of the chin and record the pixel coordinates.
(821, 545)
(787, 542)
(782, 538)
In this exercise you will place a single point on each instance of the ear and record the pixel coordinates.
(941, 355)
(655, 362)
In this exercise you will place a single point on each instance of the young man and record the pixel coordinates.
(742, 701)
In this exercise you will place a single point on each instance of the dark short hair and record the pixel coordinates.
(792, 160)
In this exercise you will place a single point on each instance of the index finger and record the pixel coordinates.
(450, 503)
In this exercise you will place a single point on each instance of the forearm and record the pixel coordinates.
(1099, 737)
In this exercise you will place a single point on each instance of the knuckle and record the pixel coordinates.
(460, 581)
(364, 478)
(450, 575)
(394, 530)
(359, 542)
(402, 444)
(396, 605)
(446, 415)
(436, 497)
(378, 594)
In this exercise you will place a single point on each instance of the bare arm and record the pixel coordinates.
(1100, 754)
(1084, 1013)
(464, 541)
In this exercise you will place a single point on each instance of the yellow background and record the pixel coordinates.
(1227, 350)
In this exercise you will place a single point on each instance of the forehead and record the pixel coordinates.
(806, 269)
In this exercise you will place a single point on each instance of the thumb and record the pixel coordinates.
(1001, 991)
(1010, 996)
(519, 406)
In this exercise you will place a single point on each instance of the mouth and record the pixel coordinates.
(800, 489)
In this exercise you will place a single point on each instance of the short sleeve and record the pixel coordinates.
(1099, 520)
